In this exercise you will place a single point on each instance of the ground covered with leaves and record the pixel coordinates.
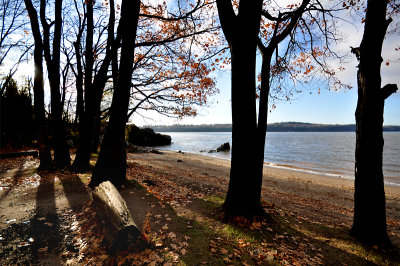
(175, 199)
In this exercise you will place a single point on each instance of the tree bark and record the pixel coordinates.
(111, 164)
(241, 32)
(46, 162)
(369, 222)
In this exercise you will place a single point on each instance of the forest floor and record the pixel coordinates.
(175, 199)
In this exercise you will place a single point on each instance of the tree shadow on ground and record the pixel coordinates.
(49, 225)
(303, 242)
(14, 182)
(75, 190)
(39, 237)
(46, 222)
(212, 241)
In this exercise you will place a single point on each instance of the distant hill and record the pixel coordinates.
(275, 127)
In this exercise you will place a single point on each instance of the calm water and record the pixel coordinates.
(329, 153)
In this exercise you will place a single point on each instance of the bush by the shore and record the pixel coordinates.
(146, 137)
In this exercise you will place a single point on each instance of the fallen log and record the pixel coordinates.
(119, 226)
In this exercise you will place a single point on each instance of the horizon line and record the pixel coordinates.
(283, 122)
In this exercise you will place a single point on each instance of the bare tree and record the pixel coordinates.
(46, 162)
(111, 164)
(303, 30)
(14, 44)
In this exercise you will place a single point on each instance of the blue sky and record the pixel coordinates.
(328, 107)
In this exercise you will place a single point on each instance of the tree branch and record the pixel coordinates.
(227, 18)
(388, 90)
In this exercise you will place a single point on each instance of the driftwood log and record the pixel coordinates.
(111, 208)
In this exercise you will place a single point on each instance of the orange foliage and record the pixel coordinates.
(173, 58)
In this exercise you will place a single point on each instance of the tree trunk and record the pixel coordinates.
(61, 149)
(93, 91)
(79, 82)
(83, 154)
(111, 164)
(262, 118)
(369, 222)
(46, 162)
(241, 199)
(96, 134)
(241, 32)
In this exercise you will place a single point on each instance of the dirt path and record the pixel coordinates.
(35, 211)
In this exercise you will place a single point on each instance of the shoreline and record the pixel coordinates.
(327, 174)
(309, 196)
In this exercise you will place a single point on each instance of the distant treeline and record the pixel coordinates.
(275, 127)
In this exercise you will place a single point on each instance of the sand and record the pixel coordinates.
(311, 197)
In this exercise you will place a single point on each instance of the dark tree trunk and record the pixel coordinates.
(369, 222)
(262, 118)
(93, 91)
(46, 162)
(248, 135)
(79, 82)
(111, 164)
(241, 32)
(241, 199)
(83, 154)
(97, 113)
(96, 133)
(61, 150)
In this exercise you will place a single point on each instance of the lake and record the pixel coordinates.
(328, 153)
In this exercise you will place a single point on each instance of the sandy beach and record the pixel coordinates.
(310, 197)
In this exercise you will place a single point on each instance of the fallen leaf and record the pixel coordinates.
(224, 251)
(227, 260)
(171, 234)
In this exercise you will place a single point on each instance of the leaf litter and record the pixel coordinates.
(77, 237)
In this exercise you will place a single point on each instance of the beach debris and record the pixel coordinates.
(223, 148)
